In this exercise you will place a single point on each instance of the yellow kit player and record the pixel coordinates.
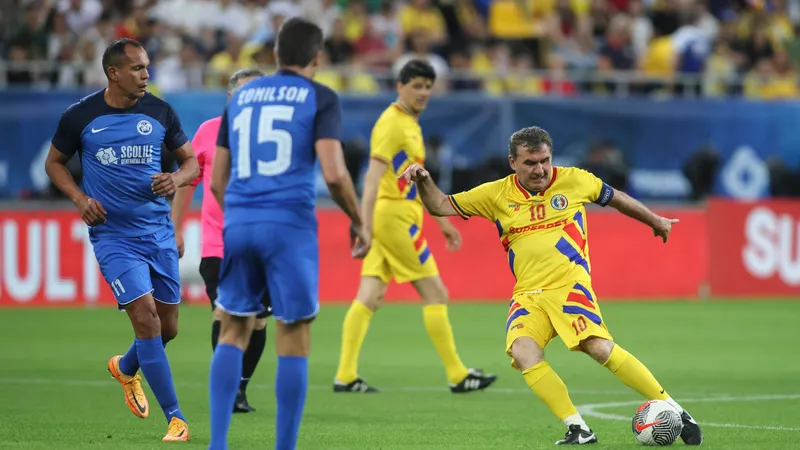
(393, 214)
(540, 216)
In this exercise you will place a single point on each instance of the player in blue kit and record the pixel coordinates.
(272, 132)
(120, 134)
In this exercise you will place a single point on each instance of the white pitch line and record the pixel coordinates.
(113, 383)
(591, 409)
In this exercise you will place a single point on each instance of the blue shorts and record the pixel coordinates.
(291, 258)
(136, 266)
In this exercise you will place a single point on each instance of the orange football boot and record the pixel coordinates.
(132, 387)
(178, 431)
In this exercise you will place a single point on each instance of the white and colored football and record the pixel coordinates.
(657, 423)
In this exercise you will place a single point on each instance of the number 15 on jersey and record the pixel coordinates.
(267, 133)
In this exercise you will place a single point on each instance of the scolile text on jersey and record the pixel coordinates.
(272, 94)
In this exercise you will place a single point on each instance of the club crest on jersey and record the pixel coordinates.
(144, 127)
(559, 202)
(107, 156)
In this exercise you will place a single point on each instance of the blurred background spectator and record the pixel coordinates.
(525, 47)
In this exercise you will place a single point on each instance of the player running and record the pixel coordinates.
(120, 133)
(540, 215)
(264, 178)
(393, 213)
(204, 142)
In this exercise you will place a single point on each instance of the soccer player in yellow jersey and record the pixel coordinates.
(540, 216)
(393, 214)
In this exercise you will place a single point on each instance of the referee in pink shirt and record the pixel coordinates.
(204, 143)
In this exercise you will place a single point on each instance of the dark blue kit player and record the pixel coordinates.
(120, 133)
(271, 134)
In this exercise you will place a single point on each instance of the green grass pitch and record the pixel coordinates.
(734, 365)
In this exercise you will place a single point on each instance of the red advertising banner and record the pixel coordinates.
(755, 248)
(46, 259)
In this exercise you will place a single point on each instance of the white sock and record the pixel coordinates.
(576, 419)
(674, 404)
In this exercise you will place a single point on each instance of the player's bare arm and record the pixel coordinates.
(433, 198)
(340, 185)
(375, 170)
(92, 212)
(180, 205)
(631, 207)
(221, 174)
(165, 184)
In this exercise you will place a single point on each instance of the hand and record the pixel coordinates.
(453, 238)
(663, 228)
(179, 242)
(164, 184)
(415, 173)
(92, 212)
(360, 241)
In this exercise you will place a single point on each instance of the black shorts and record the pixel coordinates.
(209, 270)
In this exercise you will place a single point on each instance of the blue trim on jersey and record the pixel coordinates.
(499, 227)
(511, 257)
(425, 255)
(579, 218)
(398, 160)
(412, 193)
(570, 252)
(413, 230)
(584, 290)
(516, 314)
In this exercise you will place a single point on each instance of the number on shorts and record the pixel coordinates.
(579, 325)
(538, 212)
(266, 133)
(119, 289)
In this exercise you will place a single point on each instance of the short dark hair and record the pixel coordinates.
(241, 74)
(417, 68)
(116, 51)
(531, 137)
(299, 41)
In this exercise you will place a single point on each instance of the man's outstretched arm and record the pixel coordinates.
(633, 208)
(435, 201)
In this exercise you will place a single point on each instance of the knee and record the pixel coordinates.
(598, 348)
(371, 297)
(526, 353)
(146, 324)
(169, 331)
(293, 339)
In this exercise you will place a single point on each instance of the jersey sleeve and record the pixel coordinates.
(478, 201)
(328, 121)
(175, 137)
(200, 151)
(222, 134)
(384, 142)
(591, 189)
(67, 138)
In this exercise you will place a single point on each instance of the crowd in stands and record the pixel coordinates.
(519, 47)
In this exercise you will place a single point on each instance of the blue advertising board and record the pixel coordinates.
(656, 137)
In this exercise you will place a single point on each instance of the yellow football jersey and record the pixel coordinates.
(397, 140)
(544, 234)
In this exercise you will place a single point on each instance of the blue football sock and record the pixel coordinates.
(129, 363)
(226, 371)
(291, 384)
(155, 368)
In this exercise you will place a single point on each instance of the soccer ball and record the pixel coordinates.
(657, 423)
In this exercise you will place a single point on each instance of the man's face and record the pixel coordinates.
(533, 166)
(415, 93)
(131, 73)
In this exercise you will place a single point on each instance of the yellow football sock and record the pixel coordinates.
(354, 329)
(634, 374)
(550, 389)
(441, 333)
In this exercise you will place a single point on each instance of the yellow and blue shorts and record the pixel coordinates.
(399, 248)
(570, 312)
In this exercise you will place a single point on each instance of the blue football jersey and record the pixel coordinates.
(270, 126)
(120, 149)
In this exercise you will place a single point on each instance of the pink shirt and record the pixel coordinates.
(205, 146)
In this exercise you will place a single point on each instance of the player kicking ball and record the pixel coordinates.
(393, 216)
(120, 133)
(271, 134)
(540, 214)
(204, 143)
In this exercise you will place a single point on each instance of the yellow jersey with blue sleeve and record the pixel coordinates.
(399, 249)
(545, 237)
